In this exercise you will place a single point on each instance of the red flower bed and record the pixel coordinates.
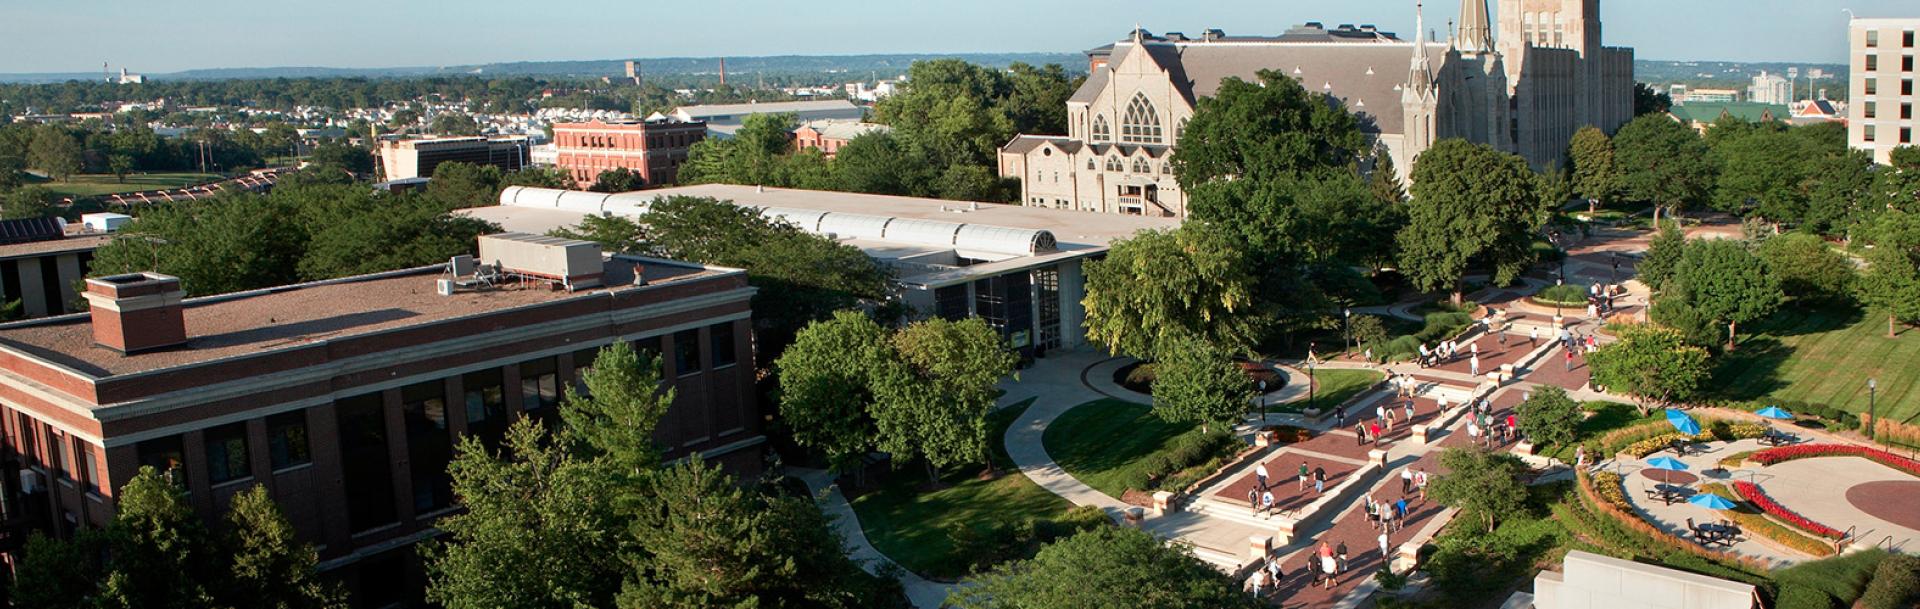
(1752, 493)
(1788, 453)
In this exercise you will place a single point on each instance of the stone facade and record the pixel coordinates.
(1525, 92)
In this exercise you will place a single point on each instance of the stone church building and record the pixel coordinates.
(1525, 91)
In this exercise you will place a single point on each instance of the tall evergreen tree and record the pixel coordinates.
(623, 402)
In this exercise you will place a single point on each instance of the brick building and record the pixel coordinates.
(828, 136)
(345, 398)
(655, 149)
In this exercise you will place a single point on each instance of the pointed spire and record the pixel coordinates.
(1476, 27)
(1136, 32)
(1420, 69)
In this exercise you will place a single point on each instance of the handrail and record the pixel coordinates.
(1888, 542)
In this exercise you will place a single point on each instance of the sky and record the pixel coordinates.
(157, 36)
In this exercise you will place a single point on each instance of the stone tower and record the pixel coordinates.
(1482, 97)
(1419, 100)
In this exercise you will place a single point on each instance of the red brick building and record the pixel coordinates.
(345, 398)
(654, 149)
(828, 136)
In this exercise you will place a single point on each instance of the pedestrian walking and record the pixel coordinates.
(1303, 475)
(1476, 364)
(1384, 549)
(1253, 501)
(1569, 360)
(1319, 480)
(1593, 311)
(1260, 475)
(1400, 511)
(1513, 426)
(1267, 503)
(1533, 336)
(1313, 569)
(1421, 481)
(1328, 564)
(1374, 427)
(1372, 510)
(1257, 581)
(1473, 432)
(1360, 433)
(1274, 572)
(1340, 415)
(1441, 399)
(1368, 356)
(1474, 347)
(1409, 410)
(1340, 552)
(1406, 481)
(1379, 411)
(1423, 355)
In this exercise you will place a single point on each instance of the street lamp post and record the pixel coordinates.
(1873, 418)
(1310, 384)
(1346, 326)
(1263, 402)
(1560, 272)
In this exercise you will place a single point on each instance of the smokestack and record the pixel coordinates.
(137, 312)
(723, 71)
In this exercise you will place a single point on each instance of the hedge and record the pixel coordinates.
(1895, 584)
(1752, 522)
(1753, 494)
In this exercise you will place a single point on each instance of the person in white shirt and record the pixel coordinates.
(1260, 475)
(1266, 503)
(1257, 581)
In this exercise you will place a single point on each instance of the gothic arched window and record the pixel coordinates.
(1142, 124)
(1113, 163)
(1101, 133)
(1140, 165)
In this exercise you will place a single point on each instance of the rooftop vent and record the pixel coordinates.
(568, 263)
(137, 311)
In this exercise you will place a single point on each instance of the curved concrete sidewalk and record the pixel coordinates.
(1057, 386)
(924, 593)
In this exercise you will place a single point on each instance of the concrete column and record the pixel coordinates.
(398, 458)
(1420, 434)
(1162, 503)
(1258, 546)
(32, 302)
(1377, 457)
(1284, 534)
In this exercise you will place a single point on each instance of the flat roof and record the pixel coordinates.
(248, 323)
(1068, 226)
(74, 243)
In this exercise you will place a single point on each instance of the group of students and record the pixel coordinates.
(1261, 495)
(1323, 566)
(1485, 429)
(1448, 351)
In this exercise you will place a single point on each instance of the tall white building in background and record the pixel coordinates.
(1770, 89)
(1880, 55)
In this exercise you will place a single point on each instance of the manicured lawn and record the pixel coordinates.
(910, 526)
(1104, 443)
(91, 185)
(1333, 387)
(1825, 356)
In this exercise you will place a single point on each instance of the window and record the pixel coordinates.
(686, 352)
(1142, 124)
(1180, 129)
(429, 447)
(364, 465)
(1906, 111)
(164, 454)
(1906, 63)
(1873, 62)
(1866, 133)
(540, 388)
(1113, 163)
(1873, 38)
(287, 440)
(1870, 109)
(87, 467)
(1873, 86)
(1101, 132)
(1090, 164)
(1140, 165)
(56, 454)
(720, 336)
(27, 445)
(1906, 87)
(486, 405)
(227, 453)
(1166, 168)
(1906, 39)
(1906, 135)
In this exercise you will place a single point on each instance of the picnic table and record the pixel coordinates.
(1716, 533)
(1668, 493)
(1777, 438)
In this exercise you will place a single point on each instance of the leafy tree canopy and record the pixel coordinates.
(1194, 280)
(1104, 568)
(1480, 482)
(1471, 205)
(1663, 162)
(1199, 382)
(1654, 364)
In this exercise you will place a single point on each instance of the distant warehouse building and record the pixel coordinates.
(345, 398)
(43, 259)
(655, 149)
(1019, 268)
(418, 157)
(724, 119)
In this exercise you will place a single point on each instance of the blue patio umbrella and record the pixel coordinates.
(1683, 422)
(1667, 463)
(1774, 412)
(1710, 501)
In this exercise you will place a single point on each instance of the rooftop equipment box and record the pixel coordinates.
(575, 264)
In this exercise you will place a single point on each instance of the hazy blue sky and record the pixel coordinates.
(168, 35)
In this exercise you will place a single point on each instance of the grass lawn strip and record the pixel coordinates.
(1105, 443)
(90, 185)
(908, 525)
(1826, 356)
(1334, 387)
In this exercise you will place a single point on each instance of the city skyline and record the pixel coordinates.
(491, 31)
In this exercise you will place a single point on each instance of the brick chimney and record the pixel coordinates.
(137, 311)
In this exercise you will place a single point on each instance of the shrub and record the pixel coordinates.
(1841, 578)
(1141, 375)
(1390, 581)
(1080, 518)
(1788, 453)
(1798, 597)
(1610, 488)
(1660, 442)
(1735, 459)
(1895, 584)
(1566, 294)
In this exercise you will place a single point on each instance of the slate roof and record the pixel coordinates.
(1365, 76)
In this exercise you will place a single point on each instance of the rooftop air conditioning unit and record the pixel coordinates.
(571, 263)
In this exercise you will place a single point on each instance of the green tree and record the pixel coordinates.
(1595, 176)
(971, 183)
(1482, 483)
(1194, 280)
(1384, 181)
(1104, 568)
(877, 163)
(352, 158)
(56, 152)
(1368, 330)
(947, 113)
(827, 386)
(618, 179)
(1891, 282)
(120, 165)
(355, 231)
(539, 530)
(709, 543)
(1549, 417)
(1648, 100)
(1653, 364)
(1663, 162)
(538, 177)
(1035, 96)
(1199, 382)
(1727, 283)
(58, 574)
(225, 244)
(1663, 256)
(1763, 175)
(614, 233)
(1471, 204)
(272, 568)
(30, 202)
(161, 554)
(460, 185)
(934, 401)
(1807, 267)
(453, 123)
(623, 402)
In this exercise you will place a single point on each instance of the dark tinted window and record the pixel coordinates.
(164, 454)
(686, 352)
(486, 406)
(287, 439)
(364, 462)
(721, 336)
(429, 445)
(227, 453)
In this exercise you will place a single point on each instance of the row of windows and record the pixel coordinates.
(74, 462)
(1872, 110)
(1873, 86)
(1906, 63)
(629, 141)
(1868, 133)
(361, 423)
(1873, 39)
(1139, 125)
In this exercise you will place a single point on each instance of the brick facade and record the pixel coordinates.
(653, 149)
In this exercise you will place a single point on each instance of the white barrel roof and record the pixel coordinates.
(854, 226)
(925, 232)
